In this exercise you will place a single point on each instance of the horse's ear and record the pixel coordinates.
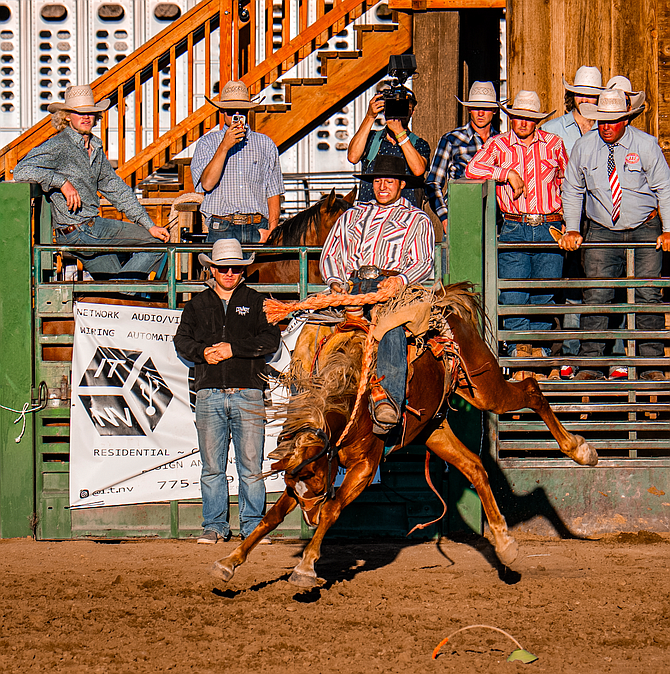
(351, 197)
(330, 200)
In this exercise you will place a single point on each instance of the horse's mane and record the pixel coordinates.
(331, 389)
(292, 232)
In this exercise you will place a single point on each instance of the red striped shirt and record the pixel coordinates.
(541, 165)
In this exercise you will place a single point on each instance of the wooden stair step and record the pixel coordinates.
(321, 55)
(303, 81)
(376, 27)
(273, 107)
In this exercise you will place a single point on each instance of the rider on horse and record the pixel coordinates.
(371, 245)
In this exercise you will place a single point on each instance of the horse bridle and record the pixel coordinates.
(329, 451)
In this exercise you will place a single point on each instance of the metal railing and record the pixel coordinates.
(622, 418)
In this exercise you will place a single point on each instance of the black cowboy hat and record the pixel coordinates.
(388, 166)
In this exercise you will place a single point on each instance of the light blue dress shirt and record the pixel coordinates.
(251, 174)
(643, 174)
(567, 128)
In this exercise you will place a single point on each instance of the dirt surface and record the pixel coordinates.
(580, 606)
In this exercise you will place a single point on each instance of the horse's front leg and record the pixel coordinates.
(224, 569)
(357, 478)
(449, 448)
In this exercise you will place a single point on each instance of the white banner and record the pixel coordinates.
(132, 425)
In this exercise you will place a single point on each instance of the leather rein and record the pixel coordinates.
(326, 450)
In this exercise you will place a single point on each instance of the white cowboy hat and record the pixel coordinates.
(234, 96)
(588, 82)
(612, 105)
(527, 106)
(79, 98)
(482, 95)
(226, 252)
(637, 98)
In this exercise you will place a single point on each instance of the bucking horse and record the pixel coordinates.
(327, 423)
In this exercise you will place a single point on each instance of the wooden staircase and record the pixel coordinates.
(134, 83)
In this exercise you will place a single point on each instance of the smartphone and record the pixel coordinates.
(237, 118)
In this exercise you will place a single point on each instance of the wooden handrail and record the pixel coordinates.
(124, 82)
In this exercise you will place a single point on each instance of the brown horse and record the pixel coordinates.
(316, 419)
(308, 228)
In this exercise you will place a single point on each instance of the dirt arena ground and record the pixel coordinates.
(581, 606)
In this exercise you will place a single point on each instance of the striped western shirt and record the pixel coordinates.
(251, 175)
(541, 165)
(397, 237)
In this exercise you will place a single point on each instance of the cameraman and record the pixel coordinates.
(394, 139)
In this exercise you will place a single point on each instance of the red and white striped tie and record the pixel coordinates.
(614, 183)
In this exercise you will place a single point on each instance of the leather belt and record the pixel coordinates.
(651, 215)
(370, 271)
(533, 219)
(71, 228)
(239, 218)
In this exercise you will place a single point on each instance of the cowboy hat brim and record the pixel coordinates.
(583, 89)
(82, 109)
(525, 114)
(590, 111)
(233, 105)
(481, 105)
(410, 181)
(207, 261)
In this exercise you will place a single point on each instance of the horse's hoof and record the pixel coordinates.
(585, 455)
(222, 571)
(303, 580)
(508, 553)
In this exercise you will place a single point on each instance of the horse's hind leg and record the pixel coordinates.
(494, 393)
(224, 569)
(448, 447)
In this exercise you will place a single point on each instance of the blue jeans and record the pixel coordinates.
(106, 232)
(222, 415)
(391, 352)
(611, 263)
(227, 230)
(518, 264)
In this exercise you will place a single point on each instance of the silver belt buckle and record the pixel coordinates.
(368, 271)
(533, 219)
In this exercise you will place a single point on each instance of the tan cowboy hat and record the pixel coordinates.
(588, 82)
(482, 96)
(234, 96)
(612, 106)
(79, 98)
(637, 98)
(226, 251)
(527, 106)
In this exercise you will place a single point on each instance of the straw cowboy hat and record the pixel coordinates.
(388, 166)
(527, 106)
(637, 98)
(482, 96)
(588, 82)
(79, 98)
(234, 96)
(226, 252)
(612, 106)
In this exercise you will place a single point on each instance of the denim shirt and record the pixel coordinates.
(567, 128)
(643, 173)
(64, 157)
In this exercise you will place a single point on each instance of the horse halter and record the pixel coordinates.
(328, 450)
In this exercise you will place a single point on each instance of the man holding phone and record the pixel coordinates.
(239, 172)
(394, 139)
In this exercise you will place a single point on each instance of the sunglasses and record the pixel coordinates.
(238, 269)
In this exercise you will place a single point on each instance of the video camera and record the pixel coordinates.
(397, 97)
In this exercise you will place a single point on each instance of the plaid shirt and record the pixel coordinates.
(398, 237)
(453, 153)
(251, 175)
(64, 157)
(541, 166)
